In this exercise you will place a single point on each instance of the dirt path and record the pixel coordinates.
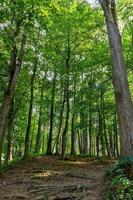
(48, 178)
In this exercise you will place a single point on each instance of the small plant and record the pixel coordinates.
(119, 188)
(119, 185)
(46, 196)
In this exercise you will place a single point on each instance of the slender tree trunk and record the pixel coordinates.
(39, 131)
(120, 81)
(32, 135)
(104, 128)
(84, 125)
(73, 133)
(49, 146)
(64, 133)
(60, 123)
(97, 144)
(66, 122)
(101, 131)
(27, 136)
(85, 142)
(90, 129)
(9, 135)
(1, 145)
(111, 141)
(79, 141)
(105, 135)
(85, 133)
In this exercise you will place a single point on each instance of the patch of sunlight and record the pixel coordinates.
(43, 174)
(78, 162)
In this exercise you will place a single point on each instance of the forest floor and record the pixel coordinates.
(49, 178)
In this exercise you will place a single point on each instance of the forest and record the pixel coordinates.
(66, 109)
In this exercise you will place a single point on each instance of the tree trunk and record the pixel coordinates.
(101, 136)
(90, 129)
(43, 144)
(85, 142)
(66, 96)
(104, 126)
(14, 70)
(73, 133)
(27, 136)
(66, 122)
(60, 123)
(116, 134)
(39, 131)
(49, 146)
(32, 135)
(120, 81)
(9, 135)
(97, 144)
(79, 141)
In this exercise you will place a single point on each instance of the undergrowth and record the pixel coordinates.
(119, 181)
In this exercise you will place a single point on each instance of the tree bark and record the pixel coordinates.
(73, 132)
(14, 69)
(39, 131)
(60, 123)
(27, 136)
(49, 146)
(66, 122)
(64, 133)
(90, 128)
(104, 125)
(9, 135)
(120, 81)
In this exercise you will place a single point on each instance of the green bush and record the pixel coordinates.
(118, 185)
(119, 188)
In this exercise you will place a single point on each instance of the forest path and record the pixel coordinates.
(48, 178)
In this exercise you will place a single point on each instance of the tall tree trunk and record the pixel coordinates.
(9, 135)
(85, 142)
(73, 132)
(79, 141)
(27, 136)
(49, 146)
(14, 69)
(90, 129)
(120, 81)
(39, 131)
(64, 133)
(43, 143)
(60, 123)
(1, 145)
(104, 127)
(97, 144)
(85, 133)
(32, 135)
(66, 122)
(101, 136)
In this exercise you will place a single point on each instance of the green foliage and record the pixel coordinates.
(45, 196)
(52, 26)
(120, 166)
(125, 161)
(119, 186)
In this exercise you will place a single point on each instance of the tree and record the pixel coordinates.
(49, 146)
(119, 76)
